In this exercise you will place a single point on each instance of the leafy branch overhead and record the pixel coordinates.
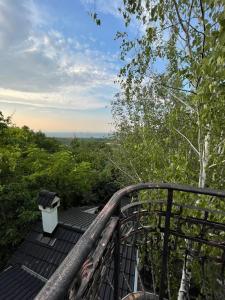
(172, 88)
(169, 114)
(95, 18)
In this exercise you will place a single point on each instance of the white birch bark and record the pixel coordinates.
(204, 160)
(183, 293)
(203, 151)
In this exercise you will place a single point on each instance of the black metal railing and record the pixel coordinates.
(182, 231)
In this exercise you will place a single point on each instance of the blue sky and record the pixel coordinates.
(57, 68)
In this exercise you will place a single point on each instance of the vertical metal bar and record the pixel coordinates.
(117, 256)
(165, 246)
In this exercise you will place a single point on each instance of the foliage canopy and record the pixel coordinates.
(30, 161)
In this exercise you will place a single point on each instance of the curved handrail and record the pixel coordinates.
(61, 280)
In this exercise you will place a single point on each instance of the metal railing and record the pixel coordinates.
(160, 226)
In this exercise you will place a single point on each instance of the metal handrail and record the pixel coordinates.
(58, 285)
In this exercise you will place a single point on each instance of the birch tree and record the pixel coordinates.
(187, 39)
(169, 114)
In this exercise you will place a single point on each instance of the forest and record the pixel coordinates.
(79, 172)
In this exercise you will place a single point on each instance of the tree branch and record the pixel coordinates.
(189, 142)
(195, 29)
(214, 165)
(124, 172)
(135, 171)
(183, 102)
(183, 27)
(204, 28)
(178, 89)
(189, 14)
(203, 41)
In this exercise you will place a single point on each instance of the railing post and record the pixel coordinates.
(165, 245)
(117, 255)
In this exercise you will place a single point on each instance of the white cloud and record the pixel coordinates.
(60, 100)
(41, 67)
(9, 21)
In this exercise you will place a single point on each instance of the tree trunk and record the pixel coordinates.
(183, 293)
(204, 160)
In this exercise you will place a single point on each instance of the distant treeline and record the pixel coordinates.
(68, 140)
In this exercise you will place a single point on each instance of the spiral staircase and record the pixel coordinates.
(176, 235)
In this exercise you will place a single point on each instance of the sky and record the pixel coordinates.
(57, 68)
